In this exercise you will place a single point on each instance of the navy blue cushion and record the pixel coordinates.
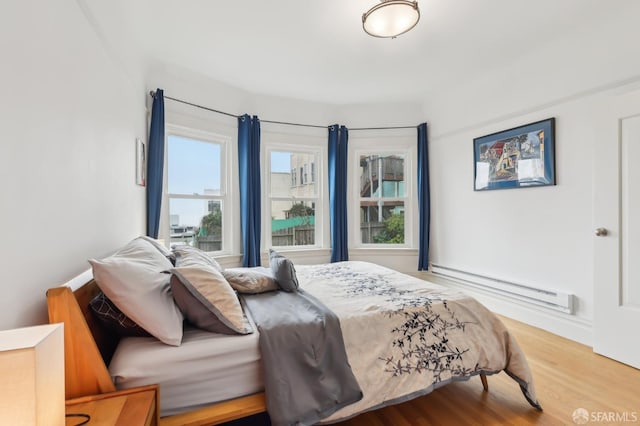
(113, 319)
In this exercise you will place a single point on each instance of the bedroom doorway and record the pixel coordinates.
(617, 231)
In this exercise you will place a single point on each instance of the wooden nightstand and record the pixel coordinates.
(129, 407)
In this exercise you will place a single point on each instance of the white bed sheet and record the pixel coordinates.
(205, 368)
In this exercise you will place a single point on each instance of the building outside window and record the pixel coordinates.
(196, 189)
(292, 207)
(382, 198)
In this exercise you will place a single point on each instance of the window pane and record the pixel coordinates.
(382, 222)
(196, 222)
(193, 166)
(381, 176)
(291, 175)
(293, 223)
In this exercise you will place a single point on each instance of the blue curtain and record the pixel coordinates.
(338, 138)
(155, 164)
(249, 170)
(424, 204)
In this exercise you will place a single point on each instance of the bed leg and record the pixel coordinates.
(485, 384)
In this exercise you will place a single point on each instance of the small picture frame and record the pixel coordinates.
(141, 163)
(520, 157)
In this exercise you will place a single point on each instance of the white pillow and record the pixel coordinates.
(136, 280)
(161, 248)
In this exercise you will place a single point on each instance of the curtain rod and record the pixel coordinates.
(153, 95)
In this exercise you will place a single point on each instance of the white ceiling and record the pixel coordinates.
(317, 50)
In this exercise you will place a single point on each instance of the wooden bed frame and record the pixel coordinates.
(88, 349)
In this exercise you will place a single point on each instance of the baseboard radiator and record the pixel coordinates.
(552, 299)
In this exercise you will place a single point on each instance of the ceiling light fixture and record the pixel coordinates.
(391, 18)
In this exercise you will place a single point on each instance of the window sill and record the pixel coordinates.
(229, 260)
(391, 251)
(304, 256)
(394, 257)
(299, 249)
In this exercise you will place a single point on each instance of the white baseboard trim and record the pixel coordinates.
(569, 326)
(549, 298)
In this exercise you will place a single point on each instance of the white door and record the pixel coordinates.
(617, 231)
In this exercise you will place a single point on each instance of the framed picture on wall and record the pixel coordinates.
(520, 157)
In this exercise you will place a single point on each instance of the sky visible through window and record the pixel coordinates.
(280, 162)
(195, 167)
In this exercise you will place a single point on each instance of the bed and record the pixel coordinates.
(89, 349)
(403, 337)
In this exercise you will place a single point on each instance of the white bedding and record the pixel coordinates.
(206, 368)
(405, 336)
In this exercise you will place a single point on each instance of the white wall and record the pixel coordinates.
(69, 116)
(541, 236)
(586, 60)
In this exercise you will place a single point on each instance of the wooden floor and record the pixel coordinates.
(567, 376)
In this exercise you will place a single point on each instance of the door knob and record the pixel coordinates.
(601, 232)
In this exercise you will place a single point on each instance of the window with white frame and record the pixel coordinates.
(195, 189)
(382, 198)
(292, 208)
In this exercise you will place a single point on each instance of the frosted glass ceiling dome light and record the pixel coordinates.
(391, 18)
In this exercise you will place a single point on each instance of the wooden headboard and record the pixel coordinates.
(88, 348)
